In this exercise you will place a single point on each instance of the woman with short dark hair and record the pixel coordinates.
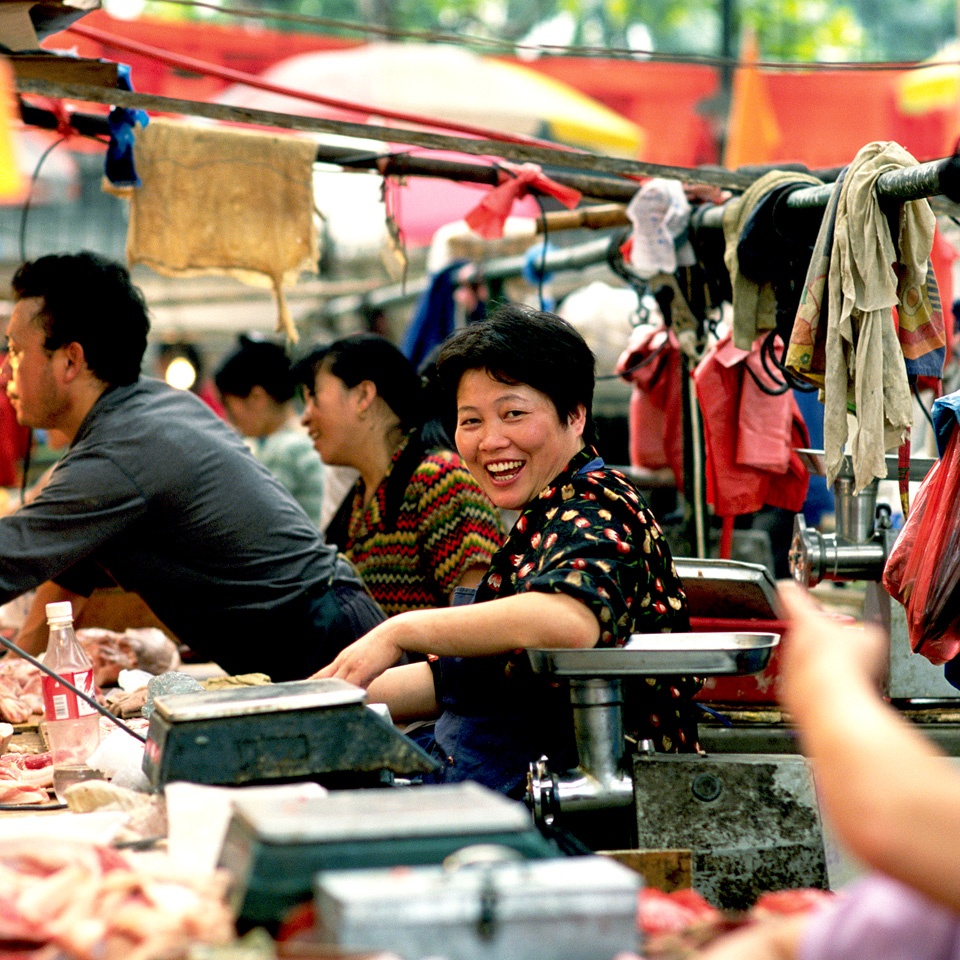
(585, 565)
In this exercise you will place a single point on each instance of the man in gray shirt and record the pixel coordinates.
(156, 494)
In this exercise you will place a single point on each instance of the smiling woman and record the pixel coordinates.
(585, 565)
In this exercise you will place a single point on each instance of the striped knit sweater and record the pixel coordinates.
(445, 525)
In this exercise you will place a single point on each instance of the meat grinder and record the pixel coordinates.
(858, 550)
(684, 801)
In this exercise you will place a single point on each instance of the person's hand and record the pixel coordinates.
(819, 648)
(364, 660)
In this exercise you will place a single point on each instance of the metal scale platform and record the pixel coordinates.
(751, 821)
(274, 850)
(318, 730)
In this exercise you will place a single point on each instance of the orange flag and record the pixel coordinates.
(753, 133)
(11, 180)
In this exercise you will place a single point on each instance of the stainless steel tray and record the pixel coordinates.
(815, 462)
(270, 698)
(652, 654)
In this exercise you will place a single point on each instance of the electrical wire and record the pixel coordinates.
(229, 75)
(26, 204)
(532, 49)
(13, 648)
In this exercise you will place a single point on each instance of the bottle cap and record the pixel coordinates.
(60, 611)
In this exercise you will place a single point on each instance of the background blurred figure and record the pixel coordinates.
(892, 797)
(256, 386)
(416, 525)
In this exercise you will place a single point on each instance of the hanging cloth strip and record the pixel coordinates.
(489, 216)
(863, 349)
(807, 351)
(224, 201)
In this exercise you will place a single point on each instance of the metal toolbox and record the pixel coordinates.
(577, 908)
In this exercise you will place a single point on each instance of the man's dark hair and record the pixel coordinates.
(367, 356)
(89, 300)
(520, 345)
(256, 363)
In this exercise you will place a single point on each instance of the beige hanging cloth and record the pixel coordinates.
(219, 200)
(865, 369)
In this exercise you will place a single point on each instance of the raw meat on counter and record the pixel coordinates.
(84, 902)
(143, 648)
(25, 778)
(675, 925)
(20, 694)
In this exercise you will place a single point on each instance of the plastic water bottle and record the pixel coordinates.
(71, 725)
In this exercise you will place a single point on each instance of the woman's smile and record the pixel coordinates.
(511, 437)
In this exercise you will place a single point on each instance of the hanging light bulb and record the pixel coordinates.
(181, 373)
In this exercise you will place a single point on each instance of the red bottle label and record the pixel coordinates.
(61, 703)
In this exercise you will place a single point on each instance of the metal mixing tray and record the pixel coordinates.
(653, 654)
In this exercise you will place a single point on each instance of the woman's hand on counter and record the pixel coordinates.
(365, 659)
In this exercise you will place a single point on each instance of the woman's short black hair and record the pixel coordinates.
(520, 345)
(367, 356)
(256, 363)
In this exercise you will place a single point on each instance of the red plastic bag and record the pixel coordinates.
(923, 569)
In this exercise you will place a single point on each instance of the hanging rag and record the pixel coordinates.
(488, 217)
(218, 200)
(119, 166)
(651, 362)
(807, 351)
(754, 304)
(751, 435)
(660, 213)
(867, 279)
(434, 315)
(774, 248)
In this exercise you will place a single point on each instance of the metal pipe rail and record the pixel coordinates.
(932, 179)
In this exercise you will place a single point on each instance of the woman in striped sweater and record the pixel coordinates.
(416, 525)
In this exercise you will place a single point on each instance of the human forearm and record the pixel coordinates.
(482, 629)
(475, 630)
(891, 796)
(33, 634)
(769, 940)
(408, 691)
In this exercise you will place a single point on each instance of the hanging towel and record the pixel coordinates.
(754, 304)
(216, 200)
(865, 369)
(660, 212)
